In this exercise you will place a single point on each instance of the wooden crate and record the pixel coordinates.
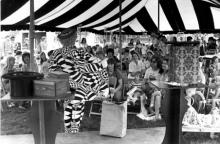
(50, 87)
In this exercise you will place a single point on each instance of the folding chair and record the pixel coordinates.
(97, 103)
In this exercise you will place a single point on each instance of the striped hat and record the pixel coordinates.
(67, 33)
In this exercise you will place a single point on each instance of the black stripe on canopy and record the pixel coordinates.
(204, 15)
(74, 12)
(146, 21)
(8, 7)
(202, 9)
(26, 27)
(129, 30)
(49, 6)
(102, 13)
(172, 13)
(122, 23)
(125, 10)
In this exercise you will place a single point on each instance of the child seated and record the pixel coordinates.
(137, 92)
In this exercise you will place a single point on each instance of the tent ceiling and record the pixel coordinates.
(103, 15)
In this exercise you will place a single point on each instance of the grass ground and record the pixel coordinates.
(13, 121)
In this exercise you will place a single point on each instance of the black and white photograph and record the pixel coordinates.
(110, 71)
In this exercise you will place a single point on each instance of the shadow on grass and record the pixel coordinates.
(13, 121)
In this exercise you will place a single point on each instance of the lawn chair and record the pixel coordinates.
(96, 104)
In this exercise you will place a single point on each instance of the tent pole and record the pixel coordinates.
(31, 35)
(158, 20)
(120, 39)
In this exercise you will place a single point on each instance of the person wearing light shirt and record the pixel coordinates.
(154, 94)
(135, 66)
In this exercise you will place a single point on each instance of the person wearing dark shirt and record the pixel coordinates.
(126, 58)
(115, 80)
(110, 54)
(131, 43)
(189, 39)
(211, 46)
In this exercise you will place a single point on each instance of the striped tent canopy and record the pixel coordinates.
(102, 16)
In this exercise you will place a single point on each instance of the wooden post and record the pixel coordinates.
(41, 122)
(120, 39)
(158, 20)
(31, 35)
(79, 32)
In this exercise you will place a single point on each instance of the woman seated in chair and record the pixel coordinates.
(115, 80)
(135, 66)
(154, 95)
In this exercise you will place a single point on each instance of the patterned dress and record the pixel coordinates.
(87, 79)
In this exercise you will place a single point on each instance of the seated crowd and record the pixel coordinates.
(130, 71)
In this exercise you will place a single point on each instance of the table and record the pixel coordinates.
(43, 117)
(174, 106)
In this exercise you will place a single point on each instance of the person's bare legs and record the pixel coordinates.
(156, 102)
(157, 106)
(217, 94)
(152, 99)
(143, 102)
(152, 103)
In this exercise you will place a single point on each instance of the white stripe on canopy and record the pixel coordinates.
(164, 24)
(23, 12)
(89, 13)
(188, 14)
(60, 10)
(111, 14)
(152, 8)
(136, 26)
(131, 12)
(216, 17)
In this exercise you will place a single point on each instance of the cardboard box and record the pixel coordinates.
(50, 87)
(113, 119)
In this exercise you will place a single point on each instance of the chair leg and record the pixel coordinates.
(90, 111)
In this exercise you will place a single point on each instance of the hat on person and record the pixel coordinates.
(150, 51)
(67, 33)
